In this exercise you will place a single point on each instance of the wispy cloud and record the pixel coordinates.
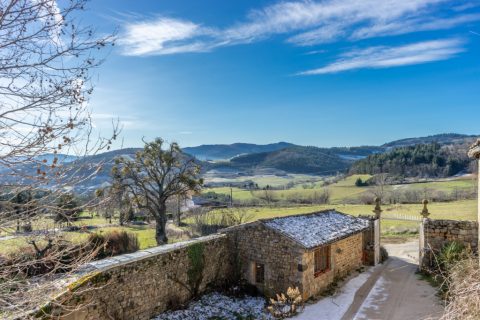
(386, 57)
(164, 36)
(412, 25)
(304, 23)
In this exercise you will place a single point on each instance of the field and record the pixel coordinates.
(345, 189)
(145, 234)
(304, 187)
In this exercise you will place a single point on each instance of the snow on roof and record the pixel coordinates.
(318, 228)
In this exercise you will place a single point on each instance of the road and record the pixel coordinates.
(392, 291)
(395, 291)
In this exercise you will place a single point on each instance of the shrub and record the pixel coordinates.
(68, 208)
(383, 254)
(450, 254)
(27, 227)
(285, 305)
(113, 243)
(208, 222)
(56, 257)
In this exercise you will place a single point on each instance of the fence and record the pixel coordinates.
(402, 217)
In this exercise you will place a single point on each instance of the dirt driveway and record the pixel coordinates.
(392, 291)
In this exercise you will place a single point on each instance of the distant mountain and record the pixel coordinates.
(62, 158)
(228, 151)
(283, 157)
(311, 160)
(445, 138)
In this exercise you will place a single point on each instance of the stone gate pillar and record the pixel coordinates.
(377, 229)
(474, 152)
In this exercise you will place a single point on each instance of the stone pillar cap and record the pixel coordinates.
(378, 209)
(425, 212)
(474, 151)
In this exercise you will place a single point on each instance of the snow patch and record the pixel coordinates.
(319, 228)
(219, 306)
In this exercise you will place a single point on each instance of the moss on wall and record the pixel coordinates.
(196, 258)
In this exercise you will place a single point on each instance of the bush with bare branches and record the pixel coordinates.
(47, 58)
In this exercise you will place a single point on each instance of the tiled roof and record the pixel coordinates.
(319, 228)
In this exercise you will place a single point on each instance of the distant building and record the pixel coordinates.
(307, 251)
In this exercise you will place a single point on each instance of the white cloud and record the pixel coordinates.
(163, 36)
(412, 25)
(305, 23)
(325, 34)
(386, 57)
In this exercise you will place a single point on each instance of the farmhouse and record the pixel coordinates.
(306, 251)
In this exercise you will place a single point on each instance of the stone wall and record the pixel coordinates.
(435, 234)
(345, 257)
(148, 282)
(255, 243)
(287, 264)
(371, 241)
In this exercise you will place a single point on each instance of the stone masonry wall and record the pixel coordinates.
(371, 241)
(346, 256)
(255, 243)
(148, 282)
(286, 263)
(434, 234)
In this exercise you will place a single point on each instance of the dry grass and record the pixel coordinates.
(464, 291)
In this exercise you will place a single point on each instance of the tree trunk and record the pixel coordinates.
(178, 219)
(160, 226)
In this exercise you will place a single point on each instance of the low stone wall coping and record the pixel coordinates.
(105, 264)
(434, 221)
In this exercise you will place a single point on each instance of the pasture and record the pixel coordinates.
(344, 190)
(341, 192)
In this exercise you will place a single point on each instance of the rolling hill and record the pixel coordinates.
(298, 159)
(399, 157)
(227, 151)
(443, 139)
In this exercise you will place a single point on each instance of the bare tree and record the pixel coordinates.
(381, 180)
(176, 205)
(155, 176)
(46, 59)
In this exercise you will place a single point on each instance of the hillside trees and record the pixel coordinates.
(424, 160)
(158, 173)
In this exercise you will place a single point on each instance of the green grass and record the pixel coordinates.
(343, 189)
(270, 180)
(145, 234)
(458, 210)
(43, 223)
(346, 189)
(441, 185)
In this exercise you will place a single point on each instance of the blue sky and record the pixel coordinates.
(324, 73)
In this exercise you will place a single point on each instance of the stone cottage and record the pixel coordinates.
(307, 251)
